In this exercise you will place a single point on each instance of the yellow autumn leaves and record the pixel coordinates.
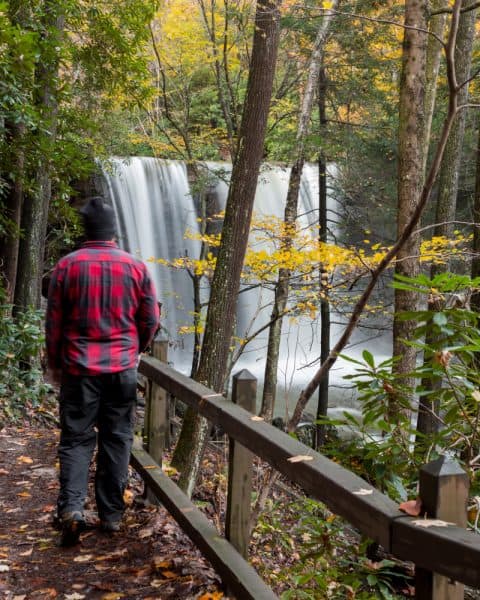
(268, 253)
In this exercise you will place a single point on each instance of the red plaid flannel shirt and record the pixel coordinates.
(102, 310)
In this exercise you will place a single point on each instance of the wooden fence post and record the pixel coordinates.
(240, 470)
(444, 495)
(157, 418)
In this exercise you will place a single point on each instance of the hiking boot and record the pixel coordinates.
(110, 526)
(72, 524)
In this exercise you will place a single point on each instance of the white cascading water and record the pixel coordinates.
(154, 209)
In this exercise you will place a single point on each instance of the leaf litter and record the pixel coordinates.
(150, 558)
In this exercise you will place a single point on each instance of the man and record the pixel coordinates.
(102, 312)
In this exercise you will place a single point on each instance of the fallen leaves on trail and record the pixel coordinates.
(150, 558)
(300, 458)
(411, 507)
(256, 418)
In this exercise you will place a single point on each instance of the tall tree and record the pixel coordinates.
(290, 216)
(35, 208)
(220, 320)
(17, 73)
(322, 405)
(411, 160)
(446, 202)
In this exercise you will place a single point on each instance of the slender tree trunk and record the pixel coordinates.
(14, 174)
(226, 280)
(290, 216)
(475, 300)
(447, 198)
(35, 211)
(322, 406)
(434, 53)
(411, 159)
(12, 208)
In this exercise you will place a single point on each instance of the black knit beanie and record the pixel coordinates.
(98, 219)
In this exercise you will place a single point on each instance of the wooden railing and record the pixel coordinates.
(445, 556)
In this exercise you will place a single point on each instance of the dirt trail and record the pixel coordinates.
(149, 559)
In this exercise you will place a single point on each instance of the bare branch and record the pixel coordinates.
(384, 22)
(450, 10)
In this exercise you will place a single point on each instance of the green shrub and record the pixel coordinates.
(23, 392)
(326, 557)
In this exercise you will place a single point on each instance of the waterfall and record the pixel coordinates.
(154, 208)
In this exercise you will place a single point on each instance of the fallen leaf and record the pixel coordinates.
(211, 596)
(128, 496)
(4, 568)
(161, 563)
(74, 596)
(83, 558)
(24, 494)
(411, 507)
(20, 597)
(26, 553)
(25, 460)
(256, 418)
(146, 532)
(112, 596)
(431, 523)
(4, 472)
(50, 592)
(300, 458)
(169, 574)
(48, 508)
(363, 492)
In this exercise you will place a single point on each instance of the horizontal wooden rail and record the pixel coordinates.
(451, 551)
(238, 576)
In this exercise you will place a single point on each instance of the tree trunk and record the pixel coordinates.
(226, 280)
(410, 180)
(322, 406)
(35, 212)
(13, 169)
(447, 195)
(12, 208)
(436, 27)
(290, 216)
(475, 301)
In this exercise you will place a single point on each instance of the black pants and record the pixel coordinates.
(90, 404)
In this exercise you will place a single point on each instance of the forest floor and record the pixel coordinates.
(150, 558)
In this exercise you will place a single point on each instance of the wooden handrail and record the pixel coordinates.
(241, 578)
(449, 550)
